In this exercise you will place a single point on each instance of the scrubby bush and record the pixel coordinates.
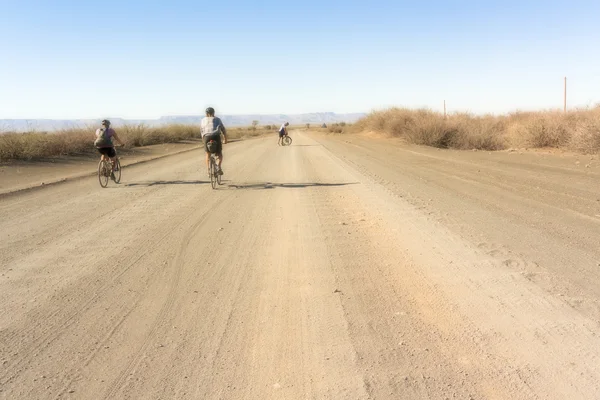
(576, 130)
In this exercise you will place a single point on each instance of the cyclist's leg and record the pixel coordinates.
(219, 154)
(206, 154)
(112, 154)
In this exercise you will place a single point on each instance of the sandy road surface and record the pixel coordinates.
(337, 268)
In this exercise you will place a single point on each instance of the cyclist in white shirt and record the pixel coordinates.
(282, 132)
(211, 128)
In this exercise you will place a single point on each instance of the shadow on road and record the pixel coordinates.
(167, 183)
(270, 185)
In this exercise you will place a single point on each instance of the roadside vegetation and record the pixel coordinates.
(41, 145)
(338, 127)
(577, 130)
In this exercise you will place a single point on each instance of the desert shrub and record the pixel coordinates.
(578, 130)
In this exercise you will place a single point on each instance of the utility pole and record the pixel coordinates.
(444, 109)
(565, 99)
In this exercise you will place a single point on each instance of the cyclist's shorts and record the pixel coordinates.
(216, 138)
(281, 133)
(108, 151)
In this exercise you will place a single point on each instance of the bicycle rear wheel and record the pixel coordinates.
(103, 176)
(117, 172)
(287, 140)
(213, 173)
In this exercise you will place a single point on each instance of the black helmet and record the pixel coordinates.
(105, 122)
(210, 111)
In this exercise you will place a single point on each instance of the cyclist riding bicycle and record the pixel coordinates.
(282, 133)
(105, 145)
(211, 128)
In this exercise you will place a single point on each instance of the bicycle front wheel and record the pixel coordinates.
(102, 173)
(287, 140)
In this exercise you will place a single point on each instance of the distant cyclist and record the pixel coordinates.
(282, 132)
(105, 145)
(211, 128)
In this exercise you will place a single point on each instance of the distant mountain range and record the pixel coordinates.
(48, 125)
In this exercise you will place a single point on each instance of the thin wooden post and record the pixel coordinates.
(565, 99)
(444, 109)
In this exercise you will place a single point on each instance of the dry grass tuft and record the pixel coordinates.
(40, 145)
(576, 130)
(339, 127)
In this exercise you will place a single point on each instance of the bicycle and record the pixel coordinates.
(105, 171)
(287, 140)
(215, 177)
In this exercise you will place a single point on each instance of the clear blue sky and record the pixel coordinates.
(144, 59)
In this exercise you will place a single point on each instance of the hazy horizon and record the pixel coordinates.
(139, 60)
(236, 120)
(200, 113)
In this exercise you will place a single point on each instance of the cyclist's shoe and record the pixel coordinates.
(112, 175)
(220, 171)
(116, 168)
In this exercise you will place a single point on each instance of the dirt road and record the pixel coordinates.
(337, 268)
